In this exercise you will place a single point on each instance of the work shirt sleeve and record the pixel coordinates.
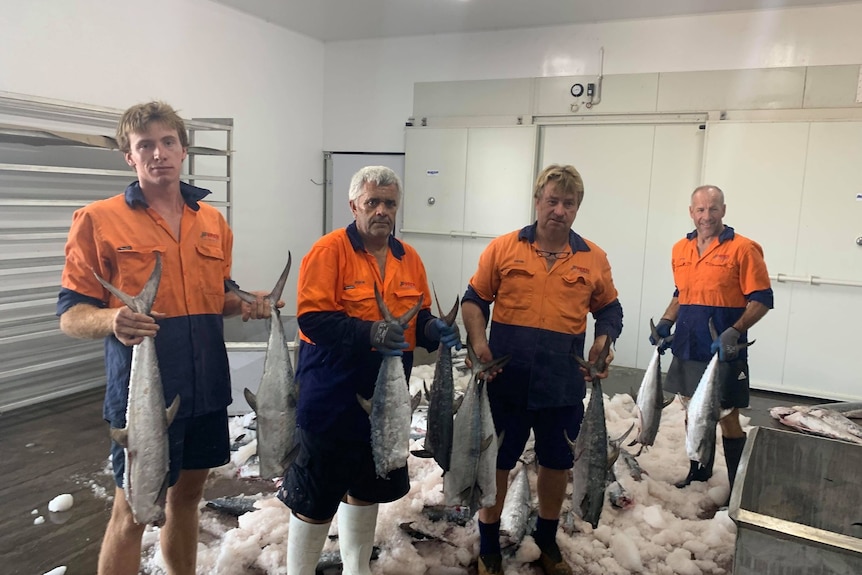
(320, 316)
(78, 282)
(753, 275)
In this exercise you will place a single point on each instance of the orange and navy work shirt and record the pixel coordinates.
(717, 284)
(118, 238)
(540, 315)
(336, 308)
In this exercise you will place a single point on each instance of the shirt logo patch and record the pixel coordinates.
(407, 284)
(579, 269)
(720, 257)
(349, 287)
(124, 248)
(210, 236)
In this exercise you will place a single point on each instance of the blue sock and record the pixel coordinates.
(546, 532)
(489, 538)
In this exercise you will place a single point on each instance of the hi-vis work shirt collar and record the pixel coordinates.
(726, 234)
(576, 242)
(191, 195)
(356, 242)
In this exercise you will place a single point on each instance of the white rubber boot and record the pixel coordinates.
(356, 526)
(304, 544)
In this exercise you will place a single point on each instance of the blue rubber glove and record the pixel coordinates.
(727, 345)
(663, 331)
(439, 330)
(388, 338)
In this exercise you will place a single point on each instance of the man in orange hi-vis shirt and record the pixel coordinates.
(719, 275)
(543, 281)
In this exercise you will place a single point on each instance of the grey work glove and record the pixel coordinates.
(388, 338)
(727, 345)
(438, 330)
(662, 329)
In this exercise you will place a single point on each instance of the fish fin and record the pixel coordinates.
(486, 442)
(242, 294)
(713, 333)
(366, 404)
(622, 437)
(120, 436)
(291, 455)
(583, 363)
(143, 302)
(667, 402)
(173, 409)
(427, 393)
(276, 292)
(449, 318)
(162, 497)
(411, 313)
(250, 398)
(456, 405)
(423, 453)
(415, 401)
(569, 440)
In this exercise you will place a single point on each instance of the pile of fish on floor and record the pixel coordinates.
(644, 524)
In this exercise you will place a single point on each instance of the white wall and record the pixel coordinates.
(369, 84)
(207, 61)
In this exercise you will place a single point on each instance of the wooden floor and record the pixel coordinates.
(62, 447)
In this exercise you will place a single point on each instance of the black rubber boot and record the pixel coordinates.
(697, 472)
(732, 454)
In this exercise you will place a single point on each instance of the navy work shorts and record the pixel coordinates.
(328, 467)
(548, 425)
(199, 442)
(684, 375)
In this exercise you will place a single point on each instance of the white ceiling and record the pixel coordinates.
(336, 20)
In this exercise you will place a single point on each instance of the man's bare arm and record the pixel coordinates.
(90, 322)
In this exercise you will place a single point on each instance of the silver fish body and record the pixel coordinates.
(703, 414)
(145, 437)
(819, 421)
(390, 417)
(516, 510)
(472, 478)
(277, 397)
(650, 402)
(390, 408)
(460, 483)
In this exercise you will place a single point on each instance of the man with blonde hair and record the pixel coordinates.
(543, 281)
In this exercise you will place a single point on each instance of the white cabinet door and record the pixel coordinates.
(434, 173)
(822, 354)
(761, 169)
(499, 180)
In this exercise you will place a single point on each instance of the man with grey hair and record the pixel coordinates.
(721, 276)
(343, 341)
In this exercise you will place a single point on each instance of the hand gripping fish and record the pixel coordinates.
(145, 437)
(650, 397)
(704, 410)
(276, 399)
(390, 408)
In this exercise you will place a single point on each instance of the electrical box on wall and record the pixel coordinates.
(577, 95)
